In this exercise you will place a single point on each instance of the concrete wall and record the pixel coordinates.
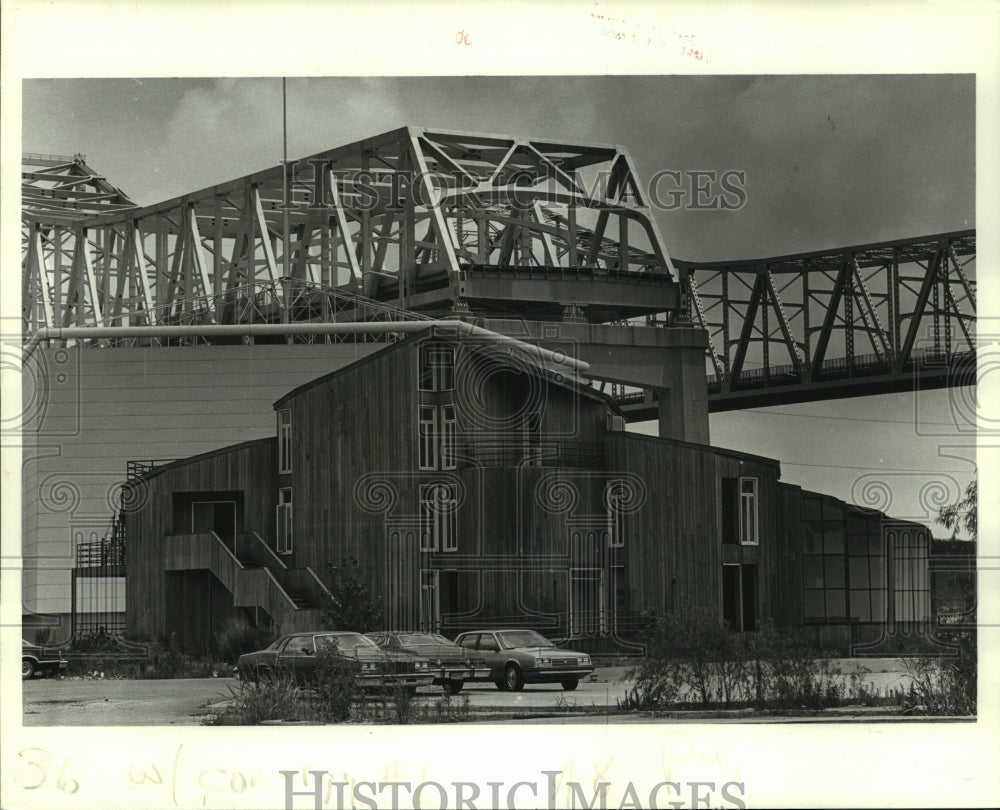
(87, 411)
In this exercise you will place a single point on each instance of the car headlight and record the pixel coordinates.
(585, 660)
(543, 662)
(368, 667)
(420, 665)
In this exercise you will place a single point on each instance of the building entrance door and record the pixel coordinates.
(214, 516)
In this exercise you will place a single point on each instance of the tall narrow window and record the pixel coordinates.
(748, 511)
(614, 494)
(437, 367)
(448, 427)
(730, 511)
(285, 440)
(283, 513)
(436, 428)
(426, 427)
(438, 508)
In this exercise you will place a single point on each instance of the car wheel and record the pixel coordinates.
(27, 668)
(454, 686)
(263, 675)
(501, 684)
(513, 678)
(570, 684)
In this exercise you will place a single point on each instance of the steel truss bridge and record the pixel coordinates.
(855, 321)
(420, 223)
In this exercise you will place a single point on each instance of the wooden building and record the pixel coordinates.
(480, 486)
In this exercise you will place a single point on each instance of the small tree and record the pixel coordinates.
(351, 604)
(964, 514)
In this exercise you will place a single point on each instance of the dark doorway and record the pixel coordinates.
(214, 516)
(739, 597)
(731, 606)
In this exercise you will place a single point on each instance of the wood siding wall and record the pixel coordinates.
(674, 542)
(248, 469)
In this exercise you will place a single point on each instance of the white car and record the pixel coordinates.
(517, 657)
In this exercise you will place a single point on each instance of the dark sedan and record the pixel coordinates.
(517, 657)
(295, 654)
(40, 659)
(450, 661)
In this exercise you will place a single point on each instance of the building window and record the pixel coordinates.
(437, 367)
(616, 495)
(911, 592)
(748, 511)
(283, 513)
(436, 428)
(824, 561)
(866, 569)
(438, 510)
(430, 601)
(426, 428)
(448, 428)
(285, 440)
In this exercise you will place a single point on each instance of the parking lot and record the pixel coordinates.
(97, 702)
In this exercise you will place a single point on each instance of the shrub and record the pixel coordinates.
(351, 605)
(786, 672)
(271, 699)
(946, 685)
(336, 685)
(688, 655)
(238, 637)
(691, 657)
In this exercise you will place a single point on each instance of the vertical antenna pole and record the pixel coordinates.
(284, 174)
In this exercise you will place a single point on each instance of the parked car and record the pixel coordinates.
(295, 654)
(451, 663)
(40, 659)
(517, 657)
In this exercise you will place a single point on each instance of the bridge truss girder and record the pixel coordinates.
(397, 218)
(851, 312)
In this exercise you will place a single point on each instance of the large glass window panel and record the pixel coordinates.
(859, 572)
(878, 605)
(833, 537)
(861, 605)
(812, 572)
(876, 572)
(834, 573)
(812, 538)
(836, 603)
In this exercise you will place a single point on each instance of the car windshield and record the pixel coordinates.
(417, 639)
(523, 638)
(345, 641)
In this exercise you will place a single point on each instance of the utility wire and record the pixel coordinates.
(849, 467)
(846, 418)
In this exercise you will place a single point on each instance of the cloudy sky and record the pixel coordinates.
(829, 160)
